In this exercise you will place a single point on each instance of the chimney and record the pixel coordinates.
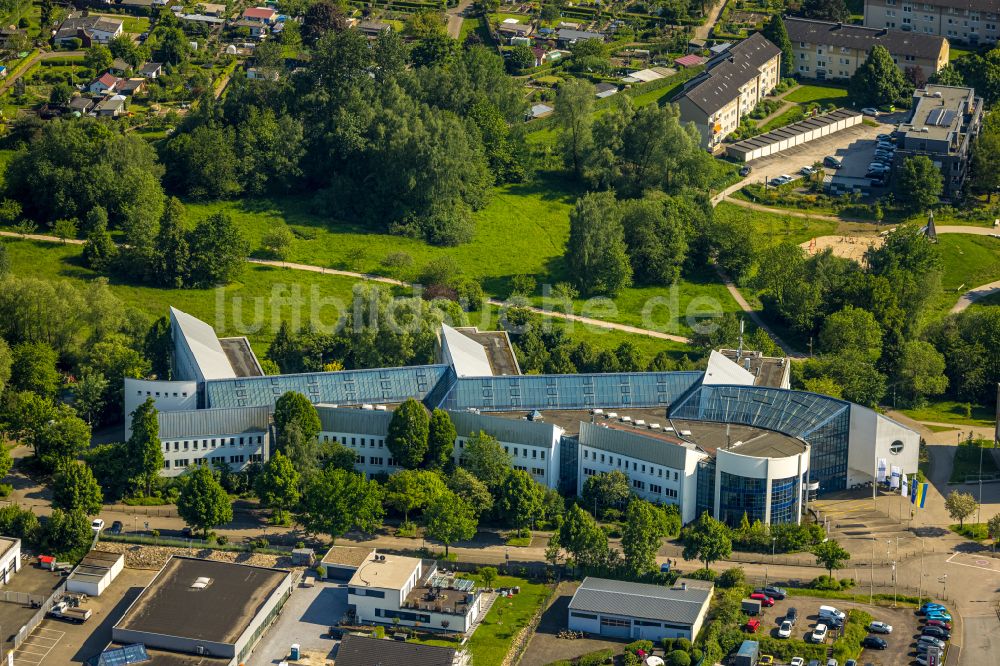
(684, 586)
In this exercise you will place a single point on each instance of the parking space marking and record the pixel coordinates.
(43, 641)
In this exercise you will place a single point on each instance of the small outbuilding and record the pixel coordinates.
(341, 562)
(95, 572)
(10, 558)
(619, 609)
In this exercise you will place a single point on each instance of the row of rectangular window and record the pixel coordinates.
(222, 441)
(181, 463)
(635, 466)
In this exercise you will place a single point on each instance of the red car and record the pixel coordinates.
(752, 625)
(762, 598)
(939, 623)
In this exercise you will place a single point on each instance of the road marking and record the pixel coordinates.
(951, 559)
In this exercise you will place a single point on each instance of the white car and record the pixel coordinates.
(785, 630)
(869, 111)
(807, 171)
(880, 628)
(797, 661)
(97, 525)
(819, 633)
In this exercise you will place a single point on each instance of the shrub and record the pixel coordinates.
(696, 655)
(784, 650)
(678, 658)
(635, 646)
(702, 574)
(222, 540)
(731, 577)
(631, 659)
(682, 644)
(825, 582)
(667, 644)
(321, 571)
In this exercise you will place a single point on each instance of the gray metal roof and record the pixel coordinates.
(364, 651)
(639, 444)
(652, 602)
(195, 422)
(725, 74)
(789, 131)
(360, 421)
(531, 433)
(859, 37)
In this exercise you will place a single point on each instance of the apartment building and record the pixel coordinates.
(827, 50)
(968, 21)
(733, 83)
(943, 123)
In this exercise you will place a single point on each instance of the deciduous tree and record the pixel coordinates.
(830, 555)
(143, 452)
(449, 518)
(440, 440)
(706, 540)
(74, 488)
(606, 490)
(919, 183)
(409, 429)
(278, 485)
(574, 117)
(293, 407)
(67, 534)
(645, 527)
(486, 459)
(520, 500)
(878, 81)
(583, 538)
(203, 503)
(336, 501)
(960, 505)
(596, 252)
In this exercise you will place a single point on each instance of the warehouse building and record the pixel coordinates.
(213, 609)
(638, 611)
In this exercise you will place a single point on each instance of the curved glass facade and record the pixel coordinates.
(822, 421)
(784, 500)
(739, 495)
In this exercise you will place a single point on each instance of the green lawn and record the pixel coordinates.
(967, 462)
(792, 115)
(492, 640)
(819, 93)
(775, 228)
(969, 261)
(956, 53)
(948, 411)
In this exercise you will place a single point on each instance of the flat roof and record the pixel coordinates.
(570, 419)
(165, 658)
(351, 556)
(219, 612)
(498, 349)
(940, 110)
(101, 558)
(390, 573)
(789, 131)
(752, 441)
(681, 604)
(240, 355)
(767, 370)
(6, 543)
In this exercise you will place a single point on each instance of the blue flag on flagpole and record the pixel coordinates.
(913, 490)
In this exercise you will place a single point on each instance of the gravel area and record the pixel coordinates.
(153, 557)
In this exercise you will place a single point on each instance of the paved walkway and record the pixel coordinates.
(705, 30)
(455, 18)
(975, 294)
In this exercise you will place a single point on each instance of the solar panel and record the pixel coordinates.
(123, 656)
(948, 117)
(934, 117)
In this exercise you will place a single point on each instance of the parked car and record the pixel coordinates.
(884, 137)
(762, 598)
(937, 632)
(931, 640)
(797, 661)
(814, 662)
(745, 171)
(97, 525)
(819, 633)
(832, 662)
(792, 615)
(869, 111)
(116, 527)
(851, 662)
(921, 659)
(874, 642)
(831, 612)
(939, 623)
(785, 630)
(939, 615)
(832, 162)
(665, 567)
(778, 593)
(765, 660)
(887, 108)
(929, 606)
(880, 628)
(807, 171)
(752, 625)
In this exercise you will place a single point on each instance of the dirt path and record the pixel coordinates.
(703, 31)
(456, 17)
(26, 67)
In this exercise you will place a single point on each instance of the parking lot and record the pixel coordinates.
(58, 642)
(905, 626)
(305, 620)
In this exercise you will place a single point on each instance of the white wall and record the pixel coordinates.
(871, 438)
(168, 396)
(755, 467)
(179, 453)
(10, 563)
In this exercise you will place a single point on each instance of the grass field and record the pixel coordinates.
(947, 411)
(956, 53)
(492, 640)
(969, 261)
(792, 115)
(967, 462)
(819, 93)
(773, 228)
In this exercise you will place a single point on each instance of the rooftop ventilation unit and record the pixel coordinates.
(367, 406)
(686, 433)
(381, 408)
(640, 423)
(654, 426)
(668, 429)
(626, 419)
(597, 411)
(612, 415)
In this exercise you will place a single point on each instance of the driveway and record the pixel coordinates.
(305, 619)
